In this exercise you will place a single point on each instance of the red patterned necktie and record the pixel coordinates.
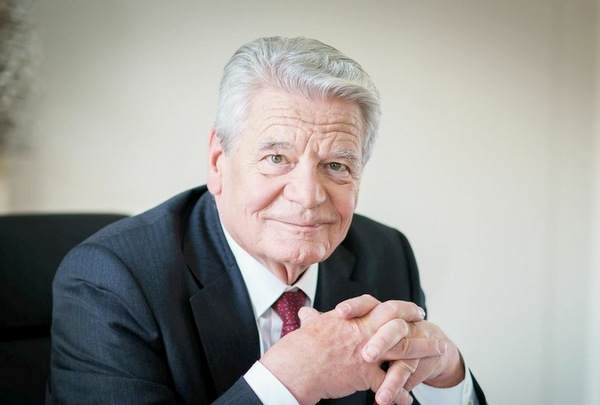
(287, 307)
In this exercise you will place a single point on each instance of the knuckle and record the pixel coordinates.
(401, 326)
(367, 298)
(352, 328)
(408, 307)
(416, 331)
(403, 348)
(409, 366)
(390, 308)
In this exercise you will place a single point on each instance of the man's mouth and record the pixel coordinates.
(301, 224)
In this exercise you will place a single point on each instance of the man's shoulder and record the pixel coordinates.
(144, 244)
(168, 216)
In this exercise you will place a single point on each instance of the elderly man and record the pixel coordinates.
(197, 301)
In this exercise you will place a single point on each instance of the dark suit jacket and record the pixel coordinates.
(153, 309)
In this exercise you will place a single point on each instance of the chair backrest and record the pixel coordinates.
(31, 248)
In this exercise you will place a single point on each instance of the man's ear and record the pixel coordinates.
(215, 171)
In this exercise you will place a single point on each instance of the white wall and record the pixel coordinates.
(568, 243)
(593, 354)
(485, 157)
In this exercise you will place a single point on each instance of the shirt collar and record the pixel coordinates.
(263, 287)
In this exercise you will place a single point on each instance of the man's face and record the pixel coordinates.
(287, 191)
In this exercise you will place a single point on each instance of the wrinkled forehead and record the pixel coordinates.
(271, 109)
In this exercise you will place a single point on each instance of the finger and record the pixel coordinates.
(385, 312)
(391, 335)
(420, 374)
(360, 306)
(388, 310)
(392, 389)
(415, 348)
(375, 378)
(356, 307)
(405, 349)
(385, 338)
(307, 315)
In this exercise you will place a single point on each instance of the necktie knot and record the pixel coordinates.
(287, 307)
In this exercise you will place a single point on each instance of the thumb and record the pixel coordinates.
(307, 314)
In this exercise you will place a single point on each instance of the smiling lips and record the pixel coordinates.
(303, 225)
(307, 225)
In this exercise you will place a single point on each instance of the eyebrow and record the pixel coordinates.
(349, 155)
(273, 145)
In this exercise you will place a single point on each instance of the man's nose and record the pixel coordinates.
(304, 187)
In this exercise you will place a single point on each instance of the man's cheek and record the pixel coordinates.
(261, 195)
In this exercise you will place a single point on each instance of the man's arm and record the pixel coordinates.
(106, 344)
(104, 341)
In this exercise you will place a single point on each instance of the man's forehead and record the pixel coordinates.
(279, 103)
(286, 135)
(275, 110)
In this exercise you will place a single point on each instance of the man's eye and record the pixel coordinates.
(337, 167)
(277, 159)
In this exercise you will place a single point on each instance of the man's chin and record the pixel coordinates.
(305, 255)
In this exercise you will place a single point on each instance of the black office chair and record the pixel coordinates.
(31, 248)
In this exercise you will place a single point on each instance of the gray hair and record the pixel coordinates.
(300, 66)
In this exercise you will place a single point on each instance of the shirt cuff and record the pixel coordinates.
(461, 394)
(267, 387)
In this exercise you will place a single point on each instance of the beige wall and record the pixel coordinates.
(485, 158)
(593, 354)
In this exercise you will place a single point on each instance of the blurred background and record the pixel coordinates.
(488, 155)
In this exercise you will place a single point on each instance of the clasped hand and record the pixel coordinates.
(341, 351)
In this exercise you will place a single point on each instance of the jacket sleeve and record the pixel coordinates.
(106, 345)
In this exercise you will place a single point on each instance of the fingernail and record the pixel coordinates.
(344, 309)
(384, 398)
(370, 353)
(442, 346)
(422, 312)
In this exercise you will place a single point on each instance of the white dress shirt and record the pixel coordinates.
(264, 289)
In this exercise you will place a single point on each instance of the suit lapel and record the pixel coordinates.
(230, 341)
(335, 283)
